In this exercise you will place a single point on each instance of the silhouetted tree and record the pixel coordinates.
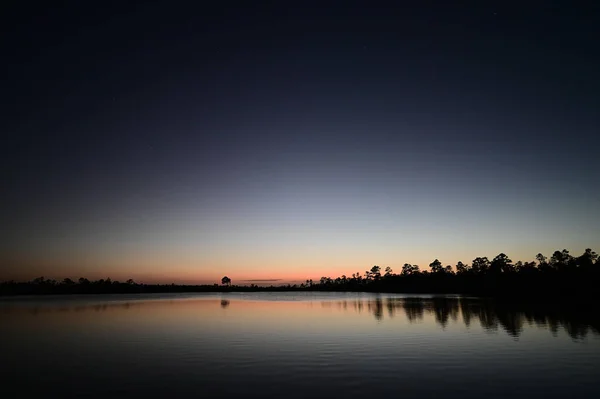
(436, 266)
(39, 280)
(501, 264)
(326, 281)
(480, 265)
(561, 260)
(588, 259)
(374, 273)
(542, 262)
(226, 281)
(407, 269)
(461, 268)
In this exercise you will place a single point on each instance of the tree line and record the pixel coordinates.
(562, 274)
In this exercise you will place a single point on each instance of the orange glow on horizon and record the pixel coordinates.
(261, 270)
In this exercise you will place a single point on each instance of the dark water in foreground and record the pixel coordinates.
(293, 345)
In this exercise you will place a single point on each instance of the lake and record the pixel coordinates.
(295, 345)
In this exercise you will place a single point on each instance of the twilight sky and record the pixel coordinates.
(178, 144)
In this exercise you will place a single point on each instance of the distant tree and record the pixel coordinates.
(83, 281)
(519, 266)
(568, 258)
(326, 281)
(592, 254)
(529, 266)
(374, 273)
(436, 266)
(501, 264)
(130, 282)
(226, 281)
(588, 258)
(461, 268)
(39, 280)
(407, 269)
(543, 264)
(388, 272)
(68, 281)
(525, 267)
(480, 265)
(561, 260)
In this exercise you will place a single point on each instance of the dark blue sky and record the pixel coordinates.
(180, 143)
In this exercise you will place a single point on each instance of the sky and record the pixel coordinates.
(283, 141)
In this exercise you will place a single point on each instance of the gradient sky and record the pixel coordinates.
(179, 144)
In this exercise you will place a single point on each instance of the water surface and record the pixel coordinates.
(295, 345)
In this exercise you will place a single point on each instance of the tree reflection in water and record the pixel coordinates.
(510, 317)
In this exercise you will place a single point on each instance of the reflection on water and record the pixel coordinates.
(296, 345)
(490, 315)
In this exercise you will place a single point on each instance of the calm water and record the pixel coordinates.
(294, 345)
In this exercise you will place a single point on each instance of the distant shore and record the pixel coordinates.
(561, 276)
